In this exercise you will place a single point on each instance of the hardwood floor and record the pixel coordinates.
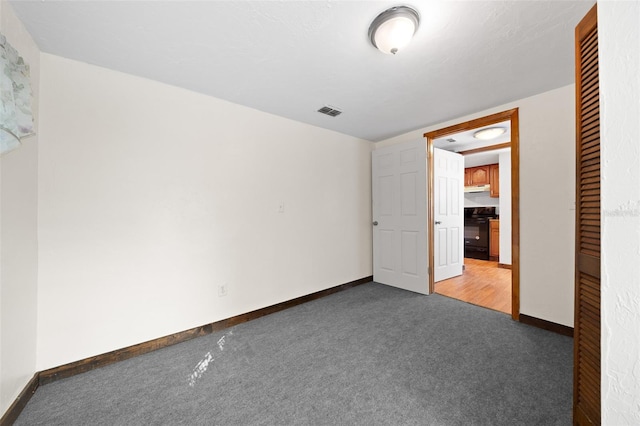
(482, 283)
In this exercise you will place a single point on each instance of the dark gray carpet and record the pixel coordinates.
(369, 355)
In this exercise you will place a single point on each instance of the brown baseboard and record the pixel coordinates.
(547, 325)
(504, 266)
(12, 413)
(87, 364)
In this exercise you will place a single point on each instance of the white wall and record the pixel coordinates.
(152, 196)
(547, 181)
(619, 54)
(504, 159)
(18, 237)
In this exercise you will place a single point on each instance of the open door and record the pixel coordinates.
(399, 186)
(448, 198)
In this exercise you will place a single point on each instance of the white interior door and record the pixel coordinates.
(448, 198)
(399, 186)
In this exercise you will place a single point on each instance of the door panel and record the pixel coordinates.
(456, 249)
(409, 251)
(399, 188)
(441, 204)
(408, 186)
(441, 247)
(386, 195)
(386, 250)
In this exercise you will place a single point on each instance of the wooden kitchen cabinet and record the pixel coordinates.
(484, 175)
(478, 175)
(494, 239)
(494, 180)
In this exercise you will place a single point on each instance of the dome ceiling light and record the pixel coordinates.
(489, 133)
(393, 29)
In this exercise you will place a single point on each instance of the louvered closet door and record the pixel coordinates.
(586, 405)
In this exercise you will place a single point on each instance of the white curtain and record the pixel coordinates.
(16, 118)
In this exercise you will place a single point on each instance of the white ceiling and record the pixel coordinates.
(290, 58)
(464, 141)
(483, 158)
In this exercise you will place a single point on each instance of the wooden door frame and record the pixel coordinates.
(511, 115)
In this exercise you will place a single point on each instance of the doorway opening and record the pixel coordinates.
(487, 279)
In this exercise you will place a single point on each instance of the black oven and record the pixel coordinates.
(476, 231)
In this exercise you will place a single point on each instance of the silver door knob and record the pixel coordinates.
(375, 223)
(438, 222)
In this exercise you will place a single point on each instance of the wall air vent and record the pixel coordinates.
(331, 111)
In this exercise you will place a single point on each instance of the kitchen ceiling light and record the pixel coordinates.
(393, 29)
(489, 133)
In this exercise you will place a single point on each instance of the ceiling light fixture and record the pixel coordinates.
(393, 29)
(489, 133)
